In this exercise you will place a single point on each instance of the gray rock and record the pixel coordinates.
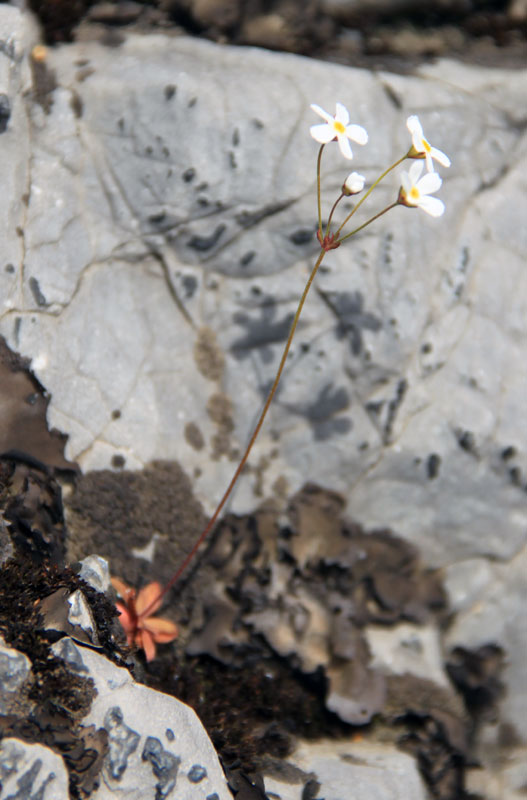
(6, 545)
(80, 614)
(122, 740)
(70, 614)
(401, 362)
(169, 188)
(501, 783)
(71, 654)
(349, 771)
(30, 771)
(17, 35)
(95, 571)
(157, 745)
(15, 670)
(408, 649)
(489, 599)
(164, 766)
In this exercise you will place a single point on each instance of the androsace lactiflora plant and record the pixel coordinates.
(136, 608)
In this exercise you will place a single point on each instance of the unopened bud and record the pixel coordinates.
(353, 184)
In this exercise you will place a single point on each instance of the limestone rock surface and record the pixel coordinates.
(160, 205)
(351, 770)
(157, 745)
(31, 770)
(157, 221)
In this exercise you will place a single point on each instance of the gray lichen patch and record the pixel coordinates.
(219, 409)
(30, 770)
(409, 693)
(165, 766)
(308, 591)
(196, 773)
(15, 678)
(122, 741)
(194, 436)
(208, 356)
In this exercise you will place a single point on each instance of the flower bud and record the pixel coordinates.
(353, 184)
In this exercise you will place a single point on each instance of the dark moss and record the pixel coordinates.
(253, 713)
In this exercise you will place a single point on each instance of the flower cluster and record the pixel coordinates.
(415, 190)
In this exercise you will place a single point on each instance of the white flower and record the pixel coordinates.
(338, 128)
(415, 190)
(354, 183)
(423, 147)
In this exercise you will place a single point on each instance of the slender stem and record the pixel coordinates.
(368, 222)
(319, 204)
(335, 204)
(367, 194)
(212, 521)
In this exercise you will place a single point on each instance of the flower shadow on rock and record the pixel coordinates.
(352, 317)
(320, 413)
(261, 333)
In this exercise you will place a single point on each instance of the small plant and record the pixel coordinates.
(135, 615)
(415, 191)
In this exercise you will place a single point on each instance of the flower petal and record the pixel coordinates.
(124, 617)
(162, 630)
(357, 133)
(147, 644)
(406, 183)
(432, 205)
(429, 183)
(320, 111)
(354, 183)
(414, 126)
(428, 161)
(147, 595)
(122, 588)
(415, 171)
(128, 624)
(440, 156)
(342, 115)
(322, 133)
(345, 147)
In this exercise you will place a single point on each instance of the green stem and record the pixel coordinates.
(372, 219)
(212, 521)
(370, 190)
(319, 204)
(335, 204)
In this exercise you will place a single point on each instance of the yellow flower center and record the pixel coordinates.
(339, 127)
(414, 193)
(427, 148)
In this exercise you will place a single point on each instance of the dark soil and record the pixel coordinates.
(374, 33)
(252, 701)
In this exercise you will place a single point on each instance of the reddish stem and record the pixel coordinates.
(212, 521)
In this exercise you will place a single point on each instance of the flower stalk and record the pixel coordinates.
(141, 628)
